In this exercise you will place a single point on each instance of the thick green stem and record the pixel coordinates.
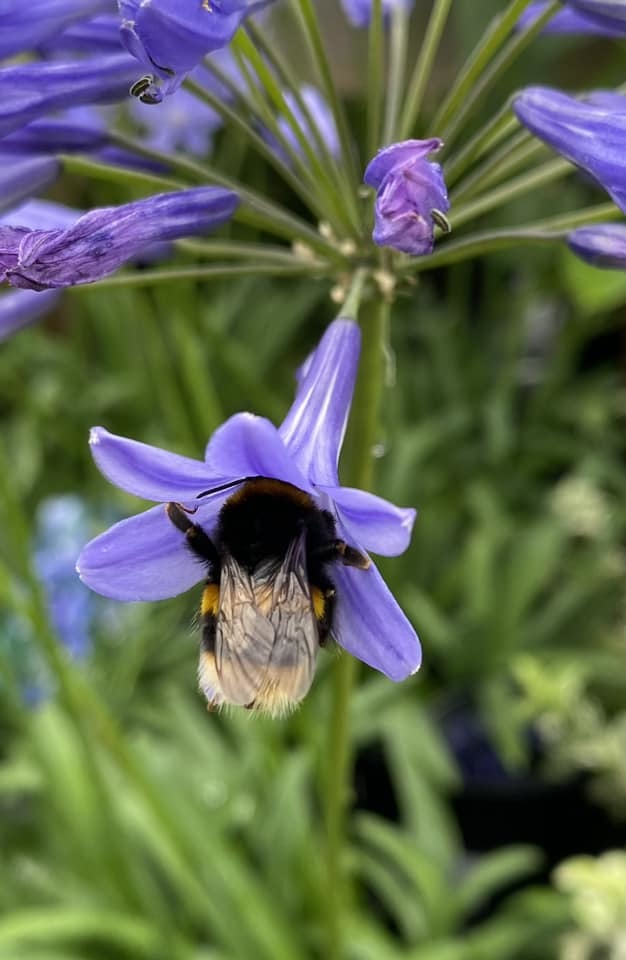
(364, 424)
(146, 278)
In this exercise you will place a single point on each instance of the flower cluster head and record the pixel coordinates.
(411, 196)
(147, 556)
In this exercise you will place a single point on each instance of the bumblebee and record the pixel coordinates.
(268, 601)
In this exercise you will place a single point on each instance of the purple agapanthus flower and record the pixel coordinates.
(99, 35)
(170, 39)
(23, 176)
(569, 20)
(611, 9)
(411, 195)
(146, 558)
(29, 91)
(102, 240)
(359, 12)
(21, 308)
(602, 245)
(24, 26)
(588, 135)
(321, 114)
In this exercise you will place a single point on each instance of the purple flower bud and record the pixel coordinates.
(20, 308)
(359, 12)
(29, 91)
(24, 26)
(588, 135)
(102, 240)
(43, 137)
(573, 21)
(22, 176)
(411, 196)
(603, 245)
(170, 39)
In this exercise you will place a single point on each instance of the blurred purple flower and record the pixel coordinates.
(146, 557)
(21, 308)
(29, 91)
(100, 35)
(321, 115)
(611, 9)
(359, 12)
(409, 191)
(573, 21)
(603, 245)
(102, 240)
(588, 135)
(607, 100)
(24, 26)
(22, 176)
(41, 215)
(171, 39)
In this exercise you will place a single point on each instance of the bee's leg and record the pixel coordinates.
(197, 540)
(341, 551)
(323, 597)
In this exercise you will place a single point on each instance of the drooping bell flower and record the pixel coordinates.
(411, 196)
(601, 245)
(147, 557)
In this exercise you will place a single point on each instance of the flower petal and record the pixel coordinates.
(370, 625)
(250, 446)
(20, 308)
(396, 155)
(149, 472)
(375, 523)
(314, 428)
(142, 558)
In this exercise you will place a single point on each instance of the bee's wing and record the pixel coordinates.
(266, 633)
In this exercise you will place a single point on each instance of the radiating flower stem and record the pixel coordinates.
(512, 155)
(498, 128)
(146, 278)
(423, 66)
(364, 422)
(547, 173)
(375, 81)
(486, 49)
(500, 64)
(396, 67)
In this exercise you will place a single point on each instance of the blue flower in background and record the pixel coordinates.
(321, 116)
(100, 35)
(611, 9)
(23, 26)
(359, 12)
(102, 240)
(569, 20)
(409, 190)
(21, 308)
(146, 557)
(587, 134)
(603, 245)
(170, 39)
(22, 176)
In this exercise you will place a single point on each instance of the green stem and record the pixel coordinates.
(396, 67)
(501, 63)
(257, 252)
(364, 423)
(423, 66)
(500, 126)
(500, 164)
(548, 172)
(256, 210)
(550, 230)
(145, 278)
(375, 68)
(486, 49)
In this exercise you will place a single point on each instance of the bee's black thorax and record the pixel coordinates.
(262, 519)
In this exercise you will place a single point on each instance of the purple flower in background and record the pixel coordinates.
(21, 308)
(359, 12)
(102, 240)
(41, 215)
(411, 196)
(607, 100)
(100, 35)
(611, 9)
(588, 135)
(573, 21)
(22, 176)
(50, 136)
(24, 26)
(146, 556)
(603, 245)
(321, 115)
(29, 91)
(170, 39)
